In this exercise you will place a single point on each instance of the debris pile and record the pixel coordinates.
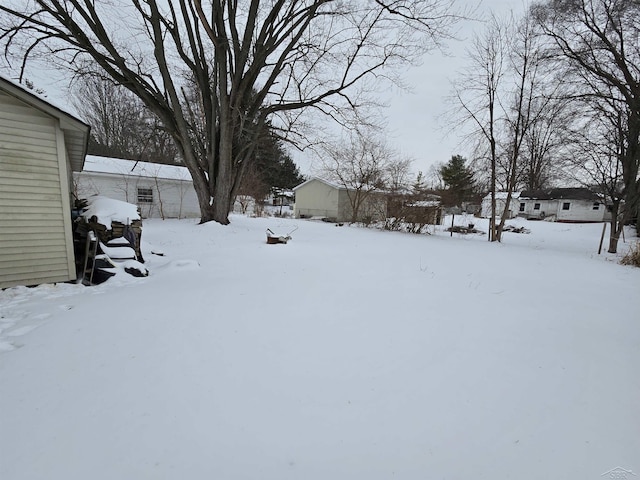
(107, 235)
(514, 229)
(464, 229)
(274, 238)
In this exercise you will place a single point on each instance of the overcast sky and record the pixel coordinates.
(415, 123)
(414, 119)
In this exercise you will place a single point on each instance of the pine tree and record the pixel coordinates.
(458, 179)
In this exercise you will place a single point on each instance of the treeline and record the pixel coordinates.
(554, 97)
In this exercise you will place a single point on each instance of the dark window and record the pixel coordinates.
(522, 206)
(596, 206)
(566, 205)
(536, 206)
(145, 195)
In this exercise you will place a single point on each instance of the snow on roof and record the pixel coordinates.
(424, 203)
(66, 109)
(109, 210)
(318, 179)
(120, 166)
(571, 193)
(502, 195)
(331, 184)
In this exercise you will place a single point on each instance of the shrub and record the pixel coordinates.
(632, 257)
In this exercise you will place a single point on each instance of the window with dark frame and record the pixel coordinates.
(536, 206)
(596, 206)
(145, 195)
(566, 205)
(522, 206)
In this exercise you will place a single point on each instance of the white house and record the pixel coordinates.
(320, 198)
(563, 205)
(164, 191)
(40, 145)
(501, 201)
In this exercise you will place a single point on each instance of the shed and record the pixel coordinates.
(321, 198)
(40, 145)
(159, 190)
(579, 205)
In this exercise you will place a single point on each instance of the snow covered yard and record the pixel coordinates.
(346, 354)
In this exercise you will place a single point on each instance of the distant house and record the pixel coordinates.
(563, 205)
(40, 145)
(501, 201)
(320, 198)
(164, 191)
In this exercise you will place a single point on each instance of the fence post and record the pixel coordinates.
(604, 229)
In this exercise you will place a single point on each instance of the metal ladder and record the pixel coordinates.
(91, 250)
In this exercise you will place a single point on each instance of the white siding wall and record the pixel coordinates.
(546, 208)
(35, 243)
(500, 204)
(173, 198)
(316, 199)
(579, 210)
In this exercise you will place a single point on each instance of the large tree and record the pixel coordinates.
(477, 102)
(597, 47)
(597, 146)
(248, 62)
(504, 95)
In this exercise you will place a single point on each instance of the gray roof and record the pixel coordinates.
(580, 193)
(76, 132)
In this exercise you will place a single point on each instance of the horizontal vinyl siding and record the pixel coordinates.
(30, 246)
(35, 277)
(23, 185)
(179, 199)
(316, 198)
(33, 245)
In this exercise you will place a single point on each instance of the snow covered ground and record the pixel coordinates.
(348, 353)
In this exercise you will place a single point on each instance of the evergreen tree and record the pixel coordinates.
(458, 179)
(274, 165)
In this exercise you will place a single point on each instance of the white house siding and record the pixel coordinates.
(315, 198)
(501, 201)
(579, 210)
(500, 204)
(35, 234)
(171, 198)
(546, 208)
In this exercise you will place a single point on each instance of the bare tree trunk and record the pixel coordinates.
(246, 61)
(614, 234)
(492, 221)
(160, 204)
(205, 201)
